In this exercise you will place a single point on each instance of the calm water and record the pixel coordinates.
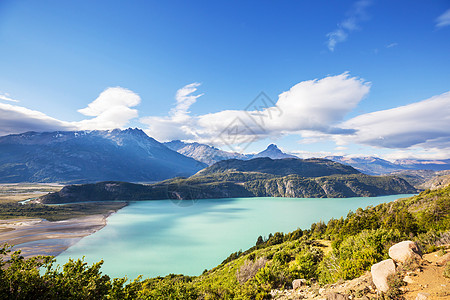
(155, 238)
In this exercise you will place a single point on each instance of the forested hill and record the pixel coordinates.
(262, 177)
(313, 167)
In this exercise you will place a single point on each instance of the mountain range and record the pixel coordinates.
(131, 155)
(210, 155)
(88, 156)
(367, 164)
(377, 166)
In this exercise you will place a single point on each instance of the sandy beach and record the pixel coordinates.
(41, 237)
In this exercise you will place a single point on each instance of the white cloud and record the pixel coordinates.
(110, 110)
(356, 15)
(6, 97)
(444, 19)
(184, 100)
(391, 45)
(309, 105)
(179, 124)
(422, 124)
(17, 119)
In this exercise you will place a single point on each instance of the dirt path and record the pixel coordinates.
(430, 280)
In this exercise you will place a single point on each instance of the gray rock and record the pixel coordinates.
(337, 296)
(444, 259)
(380, 273)
(405, 250)
(297, 283)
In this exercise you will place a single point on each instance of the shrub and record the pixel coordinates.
(281, 257)
(355, 254)
(273, 276)
(447, 270)
(395, 282)
(249, 269)
(306, 264)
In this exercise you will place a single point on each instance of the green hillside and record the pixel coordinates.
(232, 183)
(357, 241)
(313, 167)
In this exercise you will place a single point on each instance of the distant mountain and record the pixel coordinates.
(422, 164)
(313, 167)
(377, 166)
(368, 164)
(273, 152)
(259, 177)
(210, 155)
(204, 153)
(88, 156)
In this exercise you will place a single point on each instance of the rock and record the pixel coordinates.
(422, 296)
(408, 279)
(444, 259)
(336, 296)
(380, 273)
(403, 251)
(297, 283)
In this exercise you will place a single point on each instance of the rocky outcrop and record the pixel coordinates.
(380, 273)
(404, 251)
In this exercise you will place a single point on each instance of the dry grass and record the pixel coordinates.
(15, 192)
(249, 269)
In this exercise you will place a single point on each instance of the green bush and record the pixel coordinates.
(356, 254)
(306, 264)
(447, 270)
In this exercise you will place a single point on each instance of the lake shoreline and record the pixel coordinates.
(41, 237)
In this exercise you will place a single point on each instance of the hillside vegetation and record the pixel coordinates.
(313, 167)
(357, 241)
(261, 177)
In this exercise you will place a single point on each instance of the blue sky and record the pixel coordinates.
(57, 57)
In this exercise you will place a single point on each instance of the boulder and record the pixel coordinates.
(337, 296)
(297, 283)
(444, 259)
(403, 251)
(380, 273)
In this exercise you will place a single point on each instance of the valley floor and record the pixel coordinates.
(41, 237)
(27, 228)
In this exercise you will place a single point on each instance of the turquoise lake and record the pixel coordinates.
(155, 238)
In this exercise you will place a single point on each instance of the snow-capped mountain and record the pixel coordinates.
(377, 166)
(210, 155)
(87, 156)
(204, 153)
